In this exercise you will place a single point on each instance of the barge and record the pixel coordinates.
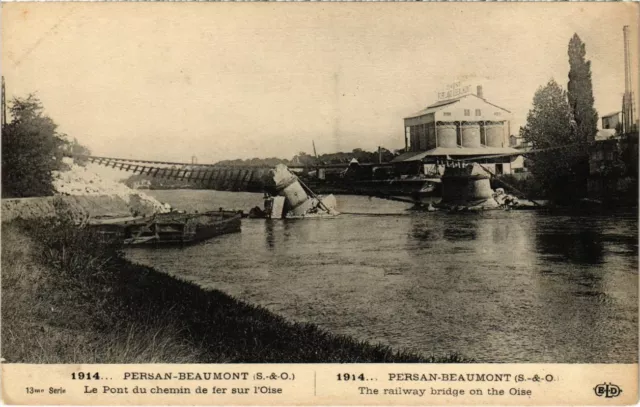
(169, 228)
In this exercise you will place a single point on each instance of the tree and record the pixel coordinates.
(77, 150)
(580, 94)
(549, 125)
(580, 91)
(31, 149)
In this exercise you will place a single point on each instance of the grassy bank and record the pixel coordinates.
(67, 298)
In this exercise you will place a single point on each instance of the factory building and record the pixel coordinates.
(461, 127)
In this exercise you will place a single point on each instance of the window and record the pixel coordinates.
(467, 112)
(446, 114)
(478, 112)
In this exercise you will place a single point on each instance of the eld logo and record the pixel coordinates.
(608, 390)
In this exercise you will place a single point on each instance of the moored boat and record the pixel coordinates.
(169, 228)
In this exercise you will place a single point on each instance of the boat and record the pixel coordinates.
(168, 228)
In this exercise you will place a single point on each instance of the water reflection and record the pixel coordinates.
(269, 234)
(462, 232)
(425, 234)
(568, 240)
(460, 227)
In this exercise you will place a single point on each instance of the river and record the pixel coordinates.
(497, 286)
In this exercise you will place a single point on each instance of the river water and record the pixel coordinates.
(497, 286)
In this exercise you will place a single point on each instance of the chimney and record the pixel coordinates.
(479, 92)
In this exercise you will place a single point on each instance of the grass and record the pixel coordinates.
(50, 316)
(68, 297)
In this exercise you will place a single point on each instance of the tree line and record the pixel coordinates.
(304, 159)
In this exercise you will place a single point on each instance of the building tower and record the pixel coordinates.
(628, 100)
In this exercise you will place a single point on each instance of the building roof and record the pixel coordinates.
(611, 114)
(433, 108)
(443, 103)
(455, 152)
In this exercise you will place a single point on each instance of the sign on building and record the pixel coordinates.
(454, 90)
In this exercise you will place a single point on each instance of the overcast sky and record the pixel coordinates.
(221, 80)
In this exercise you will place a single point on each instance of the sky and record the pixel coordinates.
(168, 81)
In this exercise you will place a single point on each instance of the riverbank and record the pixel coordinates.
(66, 298)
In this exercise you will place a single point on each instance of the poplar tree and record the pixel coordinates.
(580, 91)
(585, 117)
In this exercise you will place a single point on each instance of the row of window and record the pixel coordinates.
(467, 112)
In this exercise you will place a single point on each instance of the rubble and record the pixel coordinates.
(81, 181)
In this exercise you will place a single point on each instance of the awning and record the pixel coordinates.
(455, 152)
(410, 156)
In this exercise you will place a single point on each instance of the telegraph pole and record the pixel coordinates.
(628, 119)
(4, 105)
